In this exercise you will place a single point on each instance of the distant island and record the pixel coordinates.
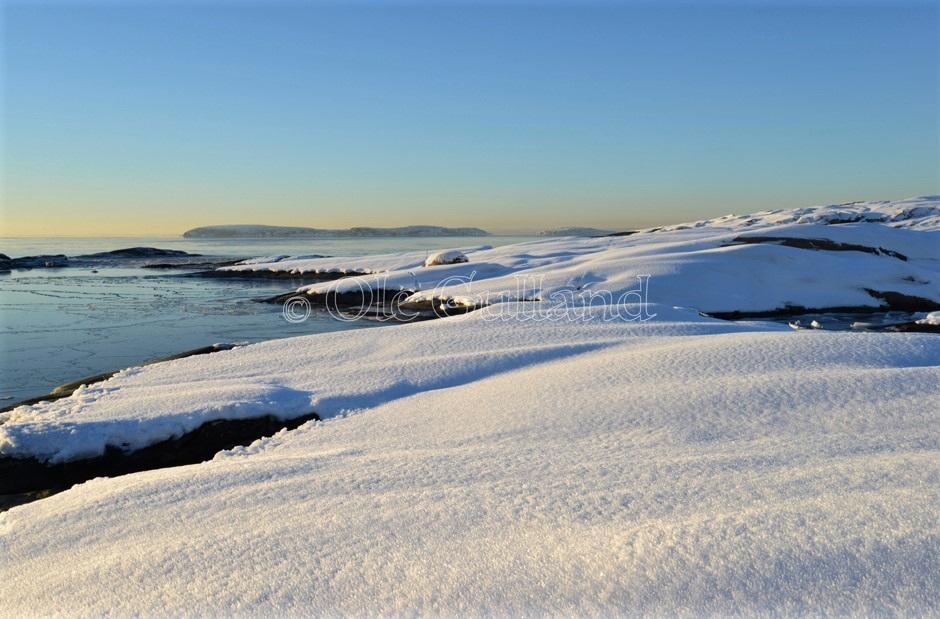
(258, 231)
(575, 231)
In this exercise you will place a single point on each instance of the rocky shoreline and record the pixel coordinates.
(23, 480)
(178, 260)
(46, 261)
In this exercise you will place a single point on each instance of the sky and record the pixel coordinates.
(150, 118)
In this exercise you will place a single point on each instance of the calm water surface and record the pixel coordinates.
(60, 325)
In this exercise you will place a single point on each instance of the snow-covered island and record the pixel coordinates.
(585, 442)
(259, 231)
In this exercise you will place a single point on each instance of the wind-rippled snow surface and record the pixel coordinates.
(678, 465)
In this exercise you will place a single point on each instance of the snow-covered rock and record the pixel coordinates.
(921, 213)
(446, 257)
(933, 318)
(711, 268)
(353, 265)
(758, 263)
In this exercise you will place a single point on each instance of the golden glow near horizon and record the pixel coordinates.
(157, 215)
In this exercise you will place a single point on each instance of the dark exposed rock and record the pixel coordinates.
(895, 301)
(34, 262)
(890, 302)
(913, 327)
(27, 479)
(199, 266)
(788, 311)
(818, 244)
(348, 300)
(61, 260)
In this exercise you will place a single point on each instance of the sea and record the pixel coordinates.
(58, 325)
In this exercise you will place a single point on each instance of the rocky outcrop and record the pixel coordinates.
(192, 266)
(446, 257)
(61, 260)
(817, 244)
(33, 262)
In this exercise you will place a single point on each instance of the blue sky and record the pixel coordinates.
(152, 118)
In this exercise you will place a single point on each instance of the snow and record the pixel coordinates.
(933, 318)
(704, 270)
(276, 258)
(446, 257)
(921, 213)
(472, 466)
(704, 265)
(607, 459)
(377, 263)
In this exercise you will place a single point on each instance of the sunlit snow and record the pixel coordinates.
(525, 462)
